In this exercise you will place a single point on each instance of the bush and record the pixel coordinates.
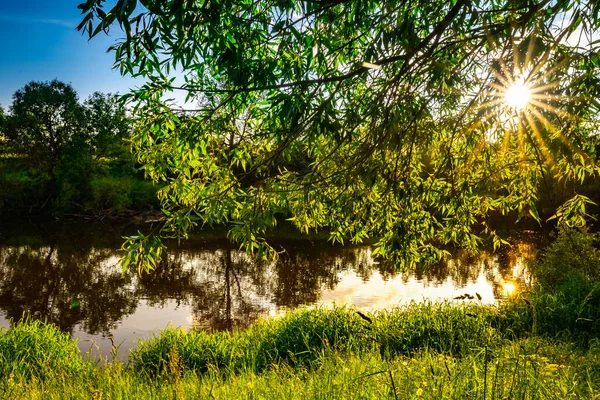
(567, 299)
(143, 196)
(35, 349)
(20, 188)
(572, 255)
(120, 194)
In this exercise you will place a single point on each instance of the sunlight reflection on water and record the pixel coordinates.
(208, 284)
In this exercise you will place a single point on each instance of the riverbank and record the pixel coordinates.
(419, 351)
(540, 343)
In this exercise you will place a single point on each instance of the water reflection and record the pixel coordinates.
(68, 275)
(64, 285)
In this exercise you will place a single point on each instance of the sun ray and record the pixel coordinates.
(554, 130)
(505, 143)
(540, 138)
(501, 78)
(545, 106)
(521, 139)
(500, 88)
(508, 75)
(537, 89)
(530, 49)
(515, 51)
(548, 72)
(490, 103)
(560, 97)
(524, 96)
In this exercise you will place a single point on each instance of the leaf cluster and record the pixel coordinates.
(370, 119)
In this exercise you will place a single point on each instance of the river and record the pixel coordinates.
(67, 273)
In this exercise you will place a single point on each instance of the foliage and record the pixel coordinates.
(2, 134)
(45, 121)
(34, 349)
(573, 255)
(20, 187)
(47, 125)
(396, 109)
(62, 150)
(140, 250)
(108, 124)
(119, 194)
(567, 301)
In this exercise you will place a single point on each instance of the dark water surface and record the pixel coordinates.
(67, 273)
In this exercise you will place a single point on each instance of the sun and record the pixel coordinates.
(517, 95)
(521, 103)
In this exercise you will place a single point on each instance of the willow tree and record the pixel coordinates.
(406, 121)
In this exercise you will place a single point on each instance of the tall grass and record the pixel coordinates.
(35, 349)
(420, 351)
(525, 369)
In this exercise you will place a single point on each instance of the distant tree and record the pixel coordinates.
(47, 124)
(2, 121)
(109, 124)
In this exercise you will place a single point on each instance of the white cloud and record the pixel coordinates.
(51, 21)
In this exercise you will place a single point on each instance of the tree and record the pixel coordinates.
(58, 141)
(47, 124)
(2, 135)
(109, 124)
(404, 111)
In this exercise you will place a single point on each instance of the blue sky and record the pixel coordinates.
(39, 42)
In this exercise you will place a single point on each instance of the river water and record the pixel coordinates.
(67, 273)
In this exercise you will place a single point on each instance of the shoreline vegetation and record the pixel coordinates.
(422, 351)
(542, 343)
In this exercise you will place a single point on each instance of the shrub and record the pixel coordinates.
(120, 194)
(143, 196)
(21, 189)
(572, 255)
(567, 299)
(110, 193)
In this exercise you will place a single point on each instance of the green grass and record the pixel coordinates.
(420, 351)
(525, 369)
(32, 349)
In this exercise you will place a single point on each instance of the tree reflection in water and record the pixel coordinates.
(69, 276)
(64, 286)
